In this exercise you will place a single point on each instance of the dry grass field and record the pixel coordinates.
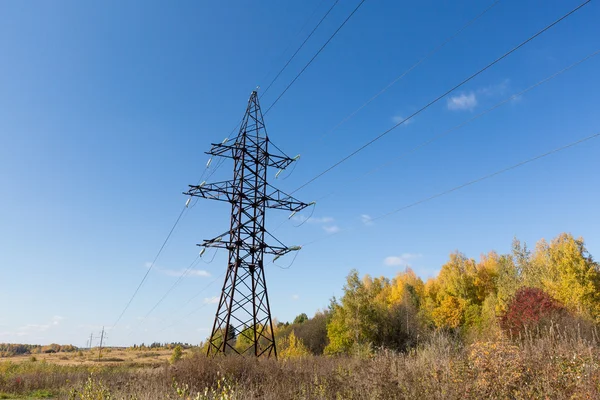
(110, 356)
(443, 368)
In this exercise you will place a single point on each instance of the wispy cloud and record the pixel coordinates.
(192, 272)
(331, 229)
(26, 329)
(211, 300)
(497, 89)
(35, 328)
(462, 102)
(401, 260)
(295, 297)
(179, 272)
(396, 119)
(312, 220)
(326, 223)
(366, 219)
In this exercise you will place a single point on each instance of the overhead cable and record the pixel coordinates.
(432, 102)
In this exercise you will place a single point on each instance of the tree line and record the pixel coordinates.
(12, 349)
(555, 285)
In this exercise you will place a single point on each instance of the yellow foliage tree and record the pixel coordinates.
(450, 313)
(291, 347)
(569, 274)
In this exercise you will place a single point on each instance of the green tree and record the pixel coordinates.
(177, 354)
(300, 318)
(245, 339)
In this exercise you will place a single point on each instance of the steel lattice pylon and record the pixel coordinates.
(243, 313)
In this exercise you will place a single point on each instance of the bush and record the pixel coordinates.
(92, 390)
(530, 310)
(177, 354)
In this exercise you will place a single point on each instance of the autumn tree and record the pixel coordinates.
(291, 347)
(569, 274)
(312, 332)
(531, 308)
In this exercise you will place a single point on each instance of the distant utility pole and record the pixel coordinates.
(101, 341)
(91, 340)
(243, 308)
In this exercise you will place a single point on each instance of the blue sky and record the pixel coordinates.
(106, 110)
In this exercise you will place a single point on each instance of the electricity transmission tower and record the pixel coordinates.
(243, 311)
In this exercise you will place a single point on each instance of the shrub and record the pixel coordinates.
(177, 354)
(92, 390)
(529, 310)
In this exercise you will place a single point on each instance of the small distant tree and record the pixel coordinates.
(177, 354)
(301, 319)
(292, 347)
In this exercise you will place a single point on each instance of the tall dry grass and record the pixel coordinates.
(560, 364)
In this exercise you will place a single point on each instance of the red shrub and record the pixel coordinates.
(530, 308)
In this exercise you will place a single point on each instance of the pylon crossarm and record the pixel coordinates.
(215, 191)
(279, 162)
(229, 151)
(224, 242)
(223, 150)
(219, 242)
(283, 201)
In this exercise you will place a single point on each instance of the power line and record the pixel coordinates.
(346, 158)
(490, 175)
(295, 36)
(415, 65)
(296, 52)
(173, 286)
(472, 182)
(462, 124)
(191, 299)
(299, 48)
(151, 266)
(315, 56)
(206, 303)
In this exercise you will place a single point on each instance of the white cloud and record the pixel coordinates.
(327, 223)
(179, 272)
(295, 297)
(199, 272)
(312, 220)
(26, 329)
(396, 119)
(462, 102)
(366, 219)
(34, 328)
(331, 229)
(497, 89)
(401, 260)
(211, 300)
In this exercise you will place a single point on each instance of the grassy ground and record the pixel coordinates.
(442, 369)
(87, 357)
